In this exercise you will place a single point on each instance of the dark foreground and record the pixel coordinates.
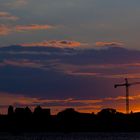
(72, 136)
(22, 120)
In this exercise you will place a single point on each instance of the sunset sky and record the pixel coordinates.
(69, 53)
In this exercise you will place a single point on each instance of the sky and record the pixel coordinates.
(69, 53)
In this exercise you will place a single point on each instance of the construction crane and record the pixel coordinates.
(127, 85)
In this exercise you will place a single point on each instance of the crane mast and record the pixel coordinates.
(126, 85)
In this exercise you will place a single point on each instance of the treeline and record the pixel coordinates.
(40, 120)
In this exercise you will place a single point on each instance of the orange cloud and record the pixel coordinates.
(7, 99)
(5, 30)
(32, 27)
(120, 103)
(54, 43)
(7, 16)
(124, 75)
(87, 105)
(102, 44)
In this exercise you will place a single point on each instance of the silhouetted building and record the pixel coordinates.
(10, 110)
(20, 111)
(107, 111)
(38, 111)
(68, 120)
(28, 111)
(68, 113)
(46, 112)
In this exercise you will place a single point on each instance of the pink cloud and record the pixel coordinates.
(7, 16)
(22, 63)
(90, 70)
(32, 27)
(82, 73)
(93, 70)
(6, 29)
(124, 75)
(103, 44)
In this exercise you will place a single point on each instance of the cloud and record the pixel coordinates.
(6, 29)
(82, 73)
(99, 70)
(123, 75)
(54, 43)
(32, 27)
(90, 105)
(132, 97)
(16, 3)
(22, 63)
(110, 44)
(19, 100)
(82, 105)
(68, 77)
(73, 70)
(103, 75)
(7, 16)
(74, 62)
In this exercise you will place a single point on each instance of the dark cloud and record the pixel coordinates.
(65, 72)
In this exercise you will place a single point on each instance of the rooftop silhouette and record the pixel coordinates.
(20, 120)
